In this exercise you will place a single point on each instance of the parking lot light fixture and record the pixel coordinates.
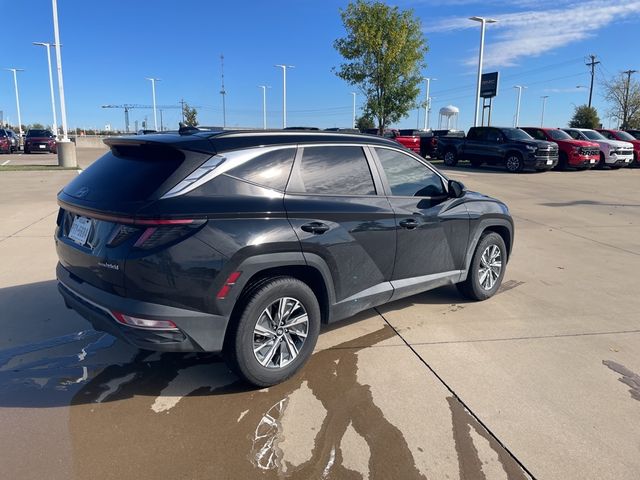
(353, 116)
(483, 23)
(15, 84)
(153, 94)
(544, 103)
(63, 108)
(264, 105)
(284, 92)
(517, 119)
(53, 96)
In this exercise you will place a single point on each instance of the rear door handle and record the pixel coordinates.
(316, 228)
(409, 223)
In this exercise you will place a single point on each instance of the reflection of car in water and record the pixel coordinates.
(245, 242)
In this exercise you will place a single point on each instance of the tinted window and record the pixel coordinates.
(592, 135)
(39, 133)
(337, 171)
(558, 135)
(270, 169)
(573, 134)
(475, 133)
(625, 136)
(407, 176)
(537, 134)
(516, 134)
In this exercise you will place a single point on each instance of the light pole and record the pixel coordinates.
(517, 119)
(284, 93)
(427, 104)
(544, 102)
(153, 93)
(264, 105)
(483, 23)
(53, 97)
(56, 33)
(353, 116)
(15, 84)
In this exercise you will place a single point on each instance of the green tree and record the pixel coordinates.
(190, 115)
(364, 123)
(36, 126)
(384, 51)
(623, 95)
(585, 116)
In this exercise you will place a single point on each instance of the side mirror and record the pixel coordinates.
(456, 189)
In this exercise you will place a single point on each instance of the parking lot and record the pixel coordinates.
(541, 381)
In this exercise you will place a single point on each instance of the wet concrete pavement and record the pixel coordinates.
(541, 379)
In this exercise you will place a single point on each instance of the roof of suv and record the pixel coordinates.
(234, 139)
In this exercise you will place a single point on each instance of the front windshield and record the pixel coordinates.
(39, 133)
(593, 135)
(624, 136)
(516, 134)
(558, 135)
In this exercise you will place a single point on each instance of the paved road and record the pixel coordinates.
(542, 380)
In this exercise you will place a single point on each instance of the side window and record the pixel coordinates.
(407, 176)
(336, 170)
(270, 169)
(537, 134)
(574, 134)
(475, 134)
(609, 135)
(493, 135)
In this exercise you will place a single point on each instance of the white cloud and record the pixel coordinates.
(532, 33)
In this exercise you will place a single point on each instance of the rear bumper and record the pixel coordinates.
(197, 331)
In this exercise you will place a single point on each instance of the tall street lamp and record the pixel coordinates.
(427, 103)
(153, 93)
(15, 84)
(56, 33)
(353, 116)
(264, 105)
(53, 96)
(517, 119)
(483, 23)
(284, 93)
(544, 102)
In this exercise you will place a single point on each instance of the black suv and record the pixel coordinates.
(246, 242)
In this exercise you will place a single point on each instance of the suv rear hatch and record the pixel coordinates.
(98, 225)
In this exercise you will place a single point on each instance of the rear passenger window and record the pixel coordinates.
(407, 176)
(336, 171)
(270, 169)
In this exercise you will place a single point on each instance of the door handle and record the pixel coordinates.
(409, 223)
(316, 228)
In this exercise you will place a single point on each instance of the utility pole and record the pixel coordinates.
(182, 109)
(223, 92)
(625, 110)
(427, 103)
(544, 102)
(353, 115)
(592, 64)
(264, 105)
(284, 92)
(153, 94)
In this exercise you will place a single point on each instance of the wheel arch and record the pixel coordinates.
(501, 226)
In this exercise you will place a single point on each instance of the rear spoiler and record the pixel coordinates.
(160, 142)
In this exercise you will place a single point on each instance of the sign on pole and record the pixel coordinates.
(489, 85)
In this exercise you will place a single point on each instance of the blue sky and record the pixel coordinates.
(110, 47)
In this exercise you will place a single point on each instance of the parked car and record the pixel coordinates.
(580, 154)
(514, 148)
(245, 242)
(429, 141)
(38, 140)
(14, 139)
(624, 137)
(342, 130)
(613, 153)
(407, 138)
(145, 132)
(5, 141)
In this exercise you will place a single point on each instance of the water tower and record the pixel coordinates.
(449, 117)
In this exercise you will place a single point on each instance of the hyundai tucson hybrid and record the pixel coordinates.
(246, 242)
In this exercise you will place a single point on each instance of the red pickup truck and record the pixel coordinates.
(572, 153)
(625, 137)
(406, 138)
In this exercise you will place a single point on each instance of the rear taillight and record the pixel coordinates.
(139, 322)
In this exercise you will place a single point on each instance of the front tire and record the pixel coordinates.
(514, 163)
(563, 162)
(487, 268)
(450, 158)
(275, 333)
(602, 162)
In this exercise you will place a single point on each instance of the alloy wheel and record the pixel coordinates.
(449, 158)
(280, 333)
(490, 267)
(513, 163)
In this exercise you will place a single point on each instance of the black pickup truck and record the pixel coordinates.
(512, 147)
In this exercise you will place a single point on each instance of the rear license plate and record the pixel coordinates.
(549, 162)
(80, 229)
(592, 161)
(42, 146)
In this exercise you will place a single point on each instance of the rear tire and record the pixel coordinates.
(450, 158)
(487, 268)
(262, 346)
(514, 163)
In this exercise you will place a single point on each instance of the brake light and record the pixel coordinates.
(230, 282)
(139, 322)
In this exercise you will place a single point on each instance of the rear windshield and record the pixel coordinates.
(130, 176)
(39, 133)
